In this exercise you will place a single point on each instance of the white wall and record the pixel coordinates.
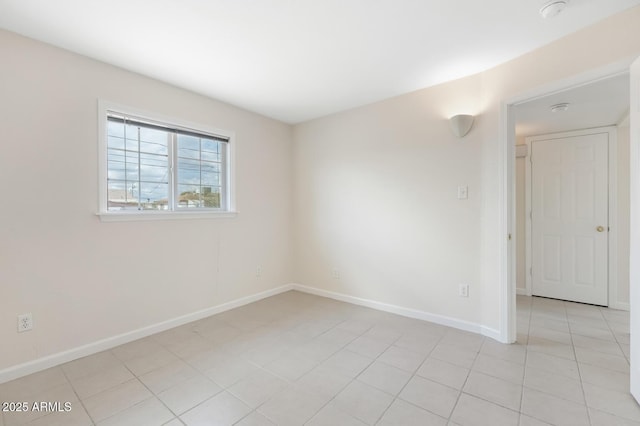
(85, 280)
(375, 187)
(375, 198)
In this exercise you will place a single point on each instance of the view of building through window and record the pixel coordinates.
(140, 173)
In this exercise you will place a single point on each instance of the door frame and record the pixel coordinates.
(612, 208)
(634, 224)
(506, 185)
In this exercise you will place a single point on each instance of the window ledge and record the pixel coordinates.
(151, 215)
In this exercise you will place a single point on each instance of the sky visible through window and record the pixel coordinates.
(138, 168)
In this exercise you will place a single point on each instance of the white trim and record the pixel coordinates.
(228, 210)
(131, 216)
(634, 227)
(110, 342)
(509, 333)
(624, 121)
(506, 178)
(528, 208)
(506, 261)
(621, 306)
(578, 80)
(53, 360)
(612, 240)
(490, 332)
(405, 312)
(613, 216)
(522, 292)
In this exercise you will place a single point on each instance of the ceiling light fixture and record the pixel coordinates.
(560, 107)
(552, 8)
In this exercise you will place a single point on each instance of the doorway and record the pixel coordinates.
(515, 130)
(570, 208)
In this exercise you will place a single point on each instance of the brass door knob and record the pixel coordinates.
(600, 229)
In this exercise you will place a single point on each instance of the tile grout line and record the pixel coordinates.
(566, 319)
(294, 382)
(357, 375)
(64, 373)
(613, 334)
(526, 356)
(153, 394)
(461, 390)
(204, 373)
(573, 347)
(396, 397)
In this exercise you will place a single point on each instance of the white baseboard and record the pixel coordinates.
(405, 312)
(619, 306)
(43, 363)
(53, 360)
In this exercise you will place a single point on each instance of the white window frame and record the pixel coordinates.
(227, 211)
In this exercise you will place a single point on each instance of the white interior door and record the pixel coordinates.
(634, 264)
(569, 216)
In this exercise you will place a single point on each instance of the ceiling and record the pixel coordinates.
(295, 60)
(601, 103)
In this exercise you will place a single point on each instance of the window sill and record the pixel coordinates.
(151, 215)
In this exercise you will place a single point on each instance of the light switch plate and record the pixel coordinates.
(463, 192)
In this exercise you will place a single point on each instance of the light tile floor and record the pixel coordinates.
(297, 359)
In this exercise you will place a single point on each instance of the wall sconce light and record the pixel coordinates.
(461, 124)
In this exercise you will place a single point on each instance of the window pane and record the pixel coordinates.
(211, 197)
(153, 174)
(156, 136)
(199, 169)
(188, 142)
(116, 164)
(189, 196)
(131, 131)
(131, 144)
(120, 197)
(138, 174)
(125, 195)
(115, 129)
(131, 171)
(209, 145)
(188, 171)
(115, 142)
(154, 196)
(194, 196)
(188, 153)
(208, 167)
(153, 168)
(210, 156)
(153, 148)
(211, 179)
(137, 171)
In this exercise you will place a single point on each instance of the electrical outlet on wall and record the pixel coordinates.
(464, 290)
(25, 322)
(335, 274)
(258, 271)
